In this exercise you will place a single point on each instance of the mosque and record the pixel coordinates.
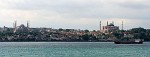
(20, 29)
(109, 28)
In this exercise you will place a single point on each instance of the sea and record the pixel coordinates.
(73, 49)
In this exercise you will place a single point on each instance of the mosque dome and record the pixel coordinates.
(111, 24)
(22, 28)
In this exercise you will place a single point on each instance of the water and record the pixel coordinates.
(73, 49)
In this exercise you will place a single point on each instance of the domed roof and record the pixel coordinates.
(22, 25)
(22, 28)
(111, 24)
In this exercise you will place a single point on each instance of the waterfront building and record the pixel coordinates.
(110, 28)
(5, 29)
(22, 29)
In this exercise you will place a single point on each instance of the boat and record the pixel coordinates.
(133, 41)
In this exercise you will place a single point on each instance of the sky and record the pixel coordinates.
(75, 14)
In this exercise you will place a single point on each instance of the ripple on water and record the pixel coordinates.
(72, 49)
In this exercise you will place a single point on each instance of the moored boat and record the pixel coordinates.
(135, 41)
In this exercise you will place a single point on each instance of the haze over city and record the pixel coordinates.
(76, 14)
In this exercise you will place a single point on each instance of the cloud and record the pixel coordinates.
(82, 14)
(135, 4)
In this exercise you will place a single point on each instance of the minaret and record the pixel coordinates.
(107, 23)
(28, 25)
(113, 22)
(100, 26)
(122, 25)
(15, 26)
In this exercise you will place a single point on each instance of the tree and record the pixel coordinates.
(117, 35)
(138, 30)
(85, 37)
(60, 29)
(86, 31)
(67, 30)
(94, 30)
(141, 33)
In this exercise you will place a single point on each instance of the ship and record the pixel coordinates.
(132, 41)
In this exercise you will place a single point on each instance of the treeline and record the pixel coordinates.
(68, 35)
(141, 33)
(135, 33)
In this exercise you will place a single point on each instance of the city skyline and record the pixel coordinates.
(75, 14)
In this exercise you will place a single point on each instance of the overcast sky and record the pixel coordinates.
(75, 14)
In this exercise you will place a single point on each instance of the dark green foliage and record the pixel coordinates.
(85, 37)
(68, 30)
(60, 29)
(117, 35)
(141, 33)
(86, 31)
(33, 35)
(138, 30)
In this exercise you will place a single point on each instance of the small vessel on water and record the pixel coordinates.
(132, 41)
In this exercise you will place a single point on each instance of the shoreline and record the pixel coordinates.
(56, 41)
(61, 41)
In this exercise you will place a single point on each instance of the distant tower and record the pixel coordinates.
(122, 25)
(15, 26)
(28, 25)
(100, 26)
(107, 23)
(113, 22)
